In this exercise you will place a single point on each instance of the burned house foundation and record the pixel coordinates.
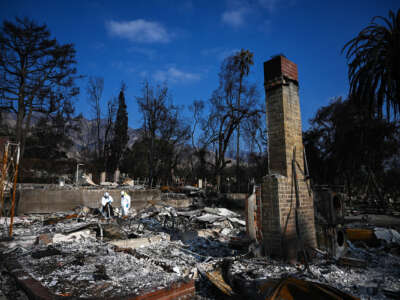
(52, 198)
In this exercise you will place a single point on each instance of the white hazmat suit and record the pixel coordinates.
(125, 203)
(106, 201)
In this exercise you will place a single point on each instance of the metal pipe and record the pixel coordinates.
(3, 177)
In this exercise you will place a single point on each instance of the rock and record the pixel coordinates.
(75, 236)
(44, 239)
(86, 180)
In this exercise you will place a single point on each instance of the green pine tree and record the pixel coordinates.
(120, 129)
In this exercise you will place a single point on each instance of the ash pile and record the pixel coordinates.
(81, 254)
(200, 252)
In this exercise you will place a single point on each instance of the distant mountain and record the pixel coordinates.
(85, 138)
(87, 134)
(82, 138)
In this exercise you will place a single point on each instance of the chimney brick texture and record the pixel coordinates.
(278, 197)
(283, 115)
(278, 67)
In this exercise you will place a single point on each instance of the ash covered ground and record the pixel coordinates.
(83, 255)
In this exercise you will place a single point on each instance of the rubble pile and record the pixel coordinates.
(76, 254)
(92, 268)
(81, 254)
(375, 279)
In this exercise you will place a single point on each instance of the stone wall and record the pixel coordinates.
(42, 200)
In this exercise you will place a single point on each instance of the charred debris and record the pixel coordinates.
(199, 251)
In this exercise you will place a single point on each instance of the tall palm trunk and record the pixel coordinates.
(238, 134)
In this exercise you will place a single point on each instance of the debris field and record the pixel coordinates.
(80, 254)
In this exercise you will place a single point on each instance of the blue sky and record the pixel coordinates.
(184, 42)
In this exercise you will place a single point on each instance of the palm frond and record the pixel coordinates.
(374, 64)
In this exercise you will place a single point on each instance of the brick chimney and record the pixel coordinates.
(283, 115)
(277, 199)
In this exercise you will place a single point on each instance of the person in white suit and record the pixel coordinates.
(125, 203)
(106, 201)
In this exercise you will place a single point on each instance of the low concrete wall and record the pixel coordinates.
(61, 200)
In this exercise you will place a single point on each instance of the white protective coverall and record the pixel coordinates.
(125, 203)
(106, 199)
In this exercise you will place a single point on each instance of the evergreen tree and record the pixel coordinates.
(37, 73)
(120, 129)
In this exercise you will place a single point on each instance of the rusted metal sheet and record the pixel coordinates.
(216, 278)
(357, 234)
(292, 289)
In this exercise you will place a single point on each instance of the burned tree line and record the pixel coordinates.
(106, 134)
(346, 146)
(173, 150)
(170, 148)
(234, 107)
(38, 90)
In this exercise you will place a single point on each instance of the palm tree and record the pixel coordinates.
(374, 65)
(242, 60)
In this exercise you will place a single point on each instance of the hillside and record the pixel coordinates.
(83, 137)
